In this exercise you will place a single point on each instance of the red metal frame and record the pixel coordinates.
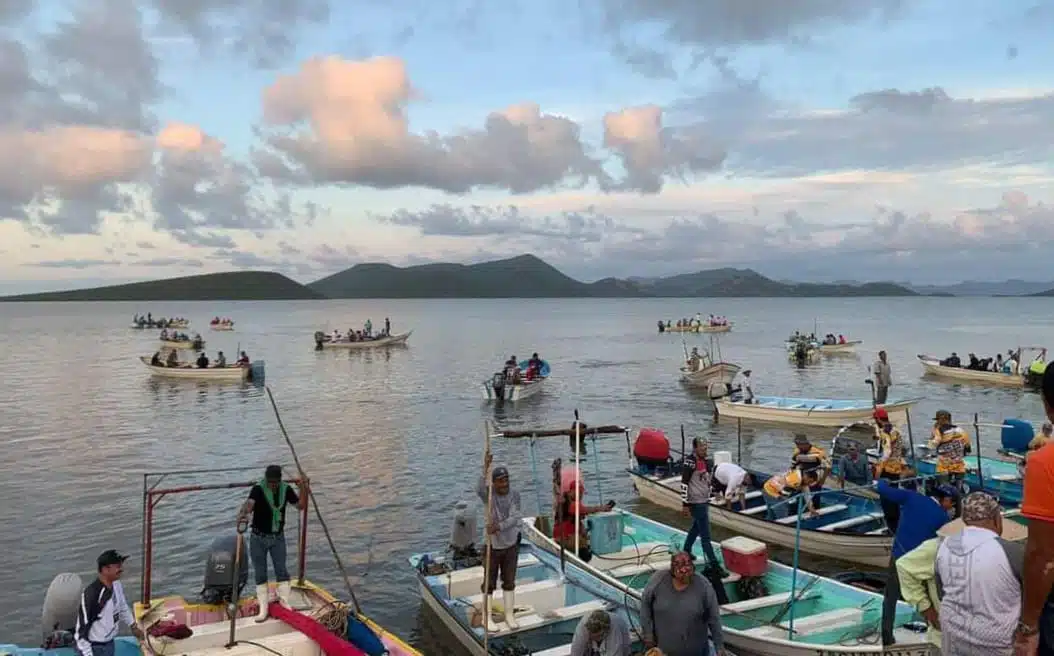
(152, 495)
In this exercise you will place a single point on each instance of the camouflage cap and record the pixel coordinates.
(598, 622)
(979, 507)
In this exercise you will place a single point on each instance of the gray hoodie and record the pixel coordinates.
(981, 601)
(506, 511)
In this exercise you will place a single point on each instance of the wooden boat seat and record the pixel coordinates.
(1005, 477)
(851, 522)
(467, 581)
(632, 555)
(756, 510)
(535, 619)
(634, 569)
(758, 603)
(878, 531)
(561, 650)
(824, 510)
(840, 618)
(547, 593)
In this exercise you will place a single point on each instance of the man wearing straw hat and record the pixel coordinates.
(503, 532)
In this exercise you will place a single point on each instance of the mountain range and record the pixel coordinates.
(525, 276)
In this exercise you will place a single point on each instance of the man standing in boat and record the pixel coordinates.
(103, 605)
(503, 531)
(266, 506)
(952, 445)
(891, 465)
(883, 377)
(696, 473)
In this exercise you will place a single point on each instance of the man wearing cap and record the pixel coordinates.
(697, 471)
(891, 465)
(503, 532)
(952, 445)
(979, 575)
(883, 377)
(266, 505)
(103, 606)
(809, 457)
(601, 634)
(920, 519)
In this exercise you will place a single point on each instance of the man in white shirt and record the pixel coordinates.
(747, 385)
(103, 607)
(601, 634)
(735, 481)
(981, 601)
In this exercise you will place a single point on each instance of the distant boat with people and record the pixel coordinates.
(218, 323)
(518, 380)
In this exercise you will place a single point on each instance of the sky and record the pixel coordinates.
(813, 140)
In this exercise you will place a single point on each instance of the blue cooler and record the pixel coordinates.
(1016, 435)
(605, 532)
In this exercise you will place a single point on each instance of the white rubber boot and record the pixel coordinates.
(509, 599)
(263, 594)
(284, 594)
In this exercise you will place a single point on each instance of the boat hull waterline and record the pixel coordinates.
(381, 342)
(720, 372)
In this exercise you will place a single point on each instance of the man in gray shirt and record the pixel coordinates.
(679, 611)
(503, 532)
(883, 377)
(601, 634)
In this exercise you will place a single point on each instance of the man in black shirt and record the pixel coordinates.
(266, 505)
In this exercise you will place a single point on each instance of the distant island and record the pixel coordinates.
(525, 276)
(229, 286)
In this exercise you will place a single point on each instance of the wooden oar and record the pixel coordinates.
(486, 532)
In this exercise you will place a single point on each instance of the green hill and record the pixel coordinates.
(742, 283)
(524, 276)
(230, 286)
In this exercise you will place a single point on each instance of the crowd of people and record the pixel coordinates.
(693, 323)
(363, 335)
(1011, 364)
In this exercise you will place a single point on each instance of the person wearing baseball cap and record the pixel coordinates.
(503, 535)
(891, 464)
(979, 576)
(921, 517)
(103, 605)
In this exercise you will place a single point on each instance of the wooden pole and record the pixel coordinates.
(577, 482)
(739, 441)
(486, 531)
(977, 433)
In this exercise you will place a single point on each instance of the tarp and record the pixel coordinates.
(329, 643)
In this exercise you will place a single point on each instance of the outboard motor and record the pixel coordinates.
(58, 618)
(463, 534)
(717, 390)
(256, 372)
(320, 338)
(218, 572)
(497, 383)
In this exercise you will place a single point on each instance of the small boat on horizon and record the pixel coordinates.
(848, 346)
(221, 324)
(326, 341)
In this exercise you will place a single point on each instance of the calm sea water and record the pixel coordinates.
(392, 439)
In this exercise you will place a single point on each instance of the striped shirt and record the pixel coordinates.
(102, 610)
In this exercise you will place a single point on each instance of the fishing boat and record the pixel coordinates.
(716, 327)
(225, 325)
(841, 347)
(317, 622)
(832, 413)
(190, 371)
(847, 527)
(499, 388)
(548, 606)
(189, 344)
(773, 609)
(707, 373)
(932, 367)
(324, 341)
(690, 328)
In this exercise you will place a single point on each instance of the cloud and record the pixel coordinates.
(75, 264)
(504, 221)
(145, 245)
(178, 262)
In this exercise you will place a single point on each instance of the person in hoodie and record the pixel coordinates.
(981, 595)
(921, 517)
(503, 530)
(696, 472)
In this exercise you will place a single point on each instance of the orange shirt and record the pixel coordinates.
(1038, 501)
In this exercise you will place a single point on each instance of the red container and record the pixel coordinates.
(745, 557)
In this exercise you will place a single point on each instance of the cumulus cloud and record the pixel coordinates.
(345, 122)
(504, 221)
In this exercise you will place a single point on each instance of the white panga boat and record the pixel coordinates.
(709, 373)
(500, 388)
(932, 367)
(832, 413)
(222, 326)
(848, 346)
(716, 327)
(547, 610)
(203, 627)
(190, 371)
(324, 341)
(189, 344)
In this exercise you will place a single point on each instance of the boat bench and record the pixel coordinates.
(851, 522)
(461, 582)
(524, 592)
(1005, 477)
(877, 531)
(560, 650)
(757, 603)
(756, 510)
(823, 510)
(633, 570)
(840, 618)
(534, 620)
(631, 556)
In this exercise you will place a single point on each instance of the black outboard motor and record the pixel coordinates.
(497, 383)
(218, 572)
(320, 337)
